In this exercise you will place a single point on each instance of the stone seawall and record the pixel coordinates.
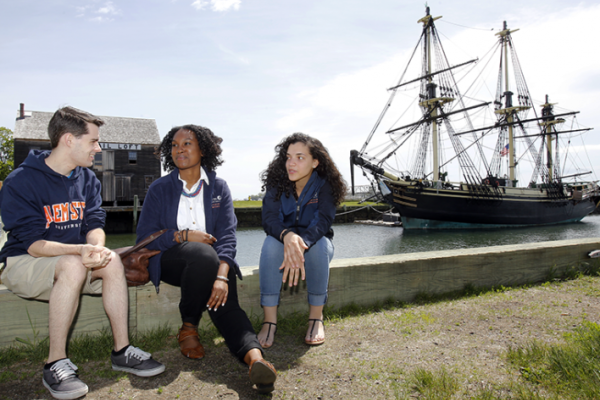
(360, 280)
(252, 217)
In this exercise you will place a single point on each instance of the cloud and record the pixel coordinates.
(109, 9)
(103, 14)
(217, 5)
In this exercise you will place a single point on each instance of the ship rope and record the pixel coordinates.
(362, 208)
(418, 169)
(540, 169)
(497, 155)
(391, 98)
(524, 98)
(476, 186)
(460, 103)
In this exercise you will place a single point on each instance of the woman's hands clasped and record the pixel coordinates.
(293, 259)
(189, 235)
(201, 237)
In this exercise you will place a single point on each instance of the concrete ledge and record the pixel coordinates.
(360, 280)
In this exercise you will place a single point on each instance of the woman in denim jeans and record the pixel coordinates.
(303, 189)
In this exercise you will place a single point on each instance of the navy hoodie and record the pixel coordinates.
(37, 203)
(310, 216)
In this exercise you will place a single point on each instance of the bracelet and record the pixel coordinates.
(223, 278)
(182, 236)
(285, 233)
(282, 234)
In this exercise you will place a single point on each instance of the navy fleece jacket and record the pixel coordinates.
(160, 212)
(38, 203)
(311, 216)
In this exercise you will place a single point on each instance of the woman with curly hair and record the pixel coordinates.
(303, 189)
(197, 252)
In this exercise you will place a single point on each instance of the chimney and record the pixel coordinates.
(22, 113)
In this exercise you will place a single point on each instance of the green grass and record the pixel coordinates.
(569, 370)
(84, 348)
(438, 385)
(247, 204)
(566, 370)
(251, 204)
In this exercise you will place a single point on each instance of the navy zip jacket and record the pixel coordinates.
(38, 203)
(311, 216)
(160, 212)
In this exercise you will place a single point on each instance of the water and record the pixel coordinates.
(354, 240)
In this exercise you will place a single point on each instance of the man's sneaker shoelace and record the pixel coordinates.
(138, 354)
(62, 381)
(64, 369)
(137, 362)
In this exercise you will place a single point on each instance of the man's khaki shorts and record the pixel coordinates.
(33, 277)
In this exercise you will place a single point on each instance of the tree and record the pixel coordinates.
(7, 152)
(257, 197)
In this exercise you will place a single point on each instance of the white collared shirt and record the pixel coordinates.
(190, 214)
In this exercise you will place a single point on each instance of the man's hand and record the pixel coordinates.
(95, 256)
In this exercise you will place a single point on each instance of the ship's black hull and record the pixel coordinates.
(427, 208)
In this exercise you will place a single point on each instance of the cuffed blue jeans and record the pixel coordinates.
(316, 266)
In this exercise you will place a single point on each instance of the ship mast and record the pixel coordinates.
(432, 103)
(549, 126)
(509, 110)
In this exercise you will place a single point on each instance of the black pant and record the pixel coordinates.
(193, 267)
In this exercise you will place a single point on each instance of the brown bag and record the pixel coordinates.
(135, 260)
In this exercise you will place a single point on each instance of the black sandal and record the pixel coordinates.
(314, 342)
(269, 334)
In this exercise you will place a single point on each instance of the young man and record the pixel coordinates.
(50, 207)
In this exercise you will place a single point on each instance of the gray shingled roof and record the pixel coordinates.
(116, 129)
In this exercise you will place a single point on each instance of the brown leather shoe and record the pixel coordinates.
(189, 342)
(263, 375)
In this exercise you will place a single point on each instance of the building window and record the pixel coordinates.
(98, 161)
(133, 157)
(148, 179)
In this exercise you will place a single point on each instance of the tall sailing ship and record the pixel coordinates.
(413, 165)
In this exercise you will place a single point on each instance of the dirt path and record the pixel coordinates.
(366, 357)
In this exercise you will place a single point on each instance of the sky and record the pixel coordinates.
(255, 71)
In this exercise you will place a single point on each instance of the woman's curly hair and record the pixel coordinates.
(276, 176)
(210, 146)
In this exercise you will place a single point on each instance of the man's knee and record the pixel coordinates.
(114, 268)
(70, 267)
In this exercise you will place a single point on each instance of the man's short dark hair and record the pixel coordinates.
(70, 120)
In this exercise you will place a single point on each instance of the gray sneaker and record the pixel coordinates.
(62, 381)
(137, 362)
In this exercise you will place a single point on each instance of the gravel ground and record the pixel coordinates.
(365, 357)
